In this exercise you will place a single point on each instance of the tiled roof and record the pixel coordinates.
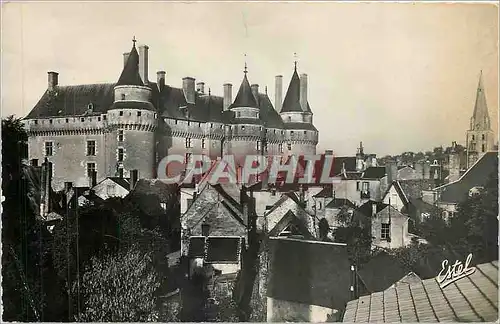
(124, 182)
(74, 101)
(291, 103)
(477, 175)
(309, 272)
(130, 74)
(327, 192)
(413, 188)
(374, 173)
(245, 97)
(470, 299)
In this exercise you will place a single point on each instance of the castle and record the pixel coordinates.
(95, 131)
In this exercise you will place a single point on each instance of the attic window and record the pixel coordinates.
(291, 132)
(104, 117)
(242, 127)
(138, 114)
(90, 106)
(305, 132)
(98, 118)
(36, 122)
(176, 121)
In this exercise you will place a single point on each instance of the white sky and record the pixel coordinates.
(399, 77)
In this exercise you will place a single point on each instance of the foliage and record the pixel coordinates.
(324, 229)
(358, 242)
(120, 288)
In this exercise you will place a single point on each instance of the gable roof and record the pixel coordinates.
(130, 74)
(245, 97)
(366, 208)
(477, 175)
(291, 103)
(123, 182)
(397, 186)
(374, 173)
(291, 219)
(164, 191)
(326, 192)
(470, 299)
(381, 272)
(309, 272)
(340, 202)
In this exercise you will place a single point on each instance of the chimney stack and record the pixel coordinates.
(160, 79)
(303, 91)
(53, 80)
(200, 87)
(143, 63)
(255, 91)
(134, 177)
(189, 89)
(228, 95)
(278, 95)
(125, 58)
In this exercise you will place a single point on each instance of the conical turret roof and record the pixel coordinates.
(292, 97)
(245, 97)
(130, 74)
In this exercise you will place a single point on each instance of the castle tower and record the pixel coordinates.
(247, 130)
(132, 120)
(301, 136)
(480, 135)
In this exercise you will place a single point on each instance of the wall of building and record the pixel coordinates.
(398, 229)
(226, 268)
(348, 189)
(288, 311)
(392, 198)
(108, 188)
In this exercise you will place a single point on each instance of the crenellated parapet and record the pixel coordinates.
(132, 118)
(74, 125)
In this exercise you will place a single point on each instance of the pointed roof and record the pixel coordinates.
(245, 97)
(292, 98)
(130, 74)
(480, 118)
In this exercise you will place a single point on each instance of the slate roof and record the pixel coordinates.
(327, 192)
(374, 173)
(366, 208)
(291, 103)
(309, 272)
(399, 190)
(301, 126)
(348, 161)
(469, 299)
(340, 202)
(477, 175)
(413, 188)
(165, 192)
(123, 182)
(381, 272)
(245, 97)
(130, 74)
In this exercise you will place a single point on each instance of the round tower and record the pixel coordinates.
(132, 120)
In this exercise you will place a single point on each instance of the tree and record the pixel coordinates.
(358, 242)
(324, 229)
(120, 288)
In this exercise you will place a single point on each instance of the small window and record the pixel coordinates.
(98, 118)
(385, 231)
(138, 114)
(203, 144)
(280, 148)
(199, 124)
(242, 127)
(305, 132)
(120, 135)
(291, 132)
(48, 149)
(67, 120)
(176, 121)
(258, 147)
(121, 113)
(120, 154)
(120, 172)
(123, 96)
(90, 169)
(188, 143)
(187, 158)
(366, 186)
(205, 229)
(472, 137)
(483, 148)
(82, 119)
(36, 122)
(90, 148)
(289, 146)
(104, 117)
(357, 185)
(50, 121)
(482, 137)
(211, 125)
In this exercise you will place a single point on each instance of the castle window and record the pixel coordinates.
(90, 169)
(483, 148)
(280, 148)
(121, 113)
(123, 96)
(242, 127)
(291, 132)
(357, 185)
(482, 137)
(138, 114)
(188, 143)
(366, 186)
(90, 106)
(120, 172)
(36, 122)
(48, 149)
(98, 118)
(199, 124)
(90, 148)
(104, 117)
(258, 146)
(305, 132)
(82, 119)
(289, 146)
(203, 144)
(120, 135)
(289, 118)
(472, 137)
(176, 121)
(155, 116)
(211, 125)
(120, 154)
(187, 158)
(129, 113)
(50, 121)
(384, 235)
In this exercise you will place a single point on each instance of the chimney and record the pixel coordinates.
(303, 91)
(125, 58)
(53, 80)
(374, 209)
(255, 91)
(134, 177)
(278, 95)
(189, 90)
(228, 95)
(160, 79)
(328, 152)
(200, 87)
(143, 63)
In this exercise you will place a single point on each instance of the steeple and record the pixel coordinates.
(130, 74)
(245, 97)
(480, 118)
(291, 103)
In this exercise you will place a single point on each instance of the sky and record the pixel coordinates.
(396, 76)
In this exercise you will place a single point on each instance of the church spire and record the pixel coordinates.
(480, 118)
